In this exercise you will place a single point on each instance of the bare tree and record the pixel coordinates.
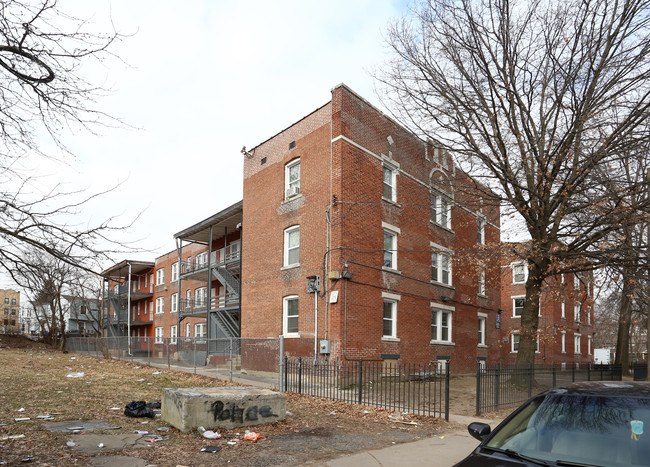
(532, 97)
(43, 92)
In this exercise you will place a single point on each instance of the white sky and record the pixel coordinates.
(202, 79)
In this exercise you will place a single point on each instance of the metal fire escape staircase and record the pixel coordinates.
(227, 313)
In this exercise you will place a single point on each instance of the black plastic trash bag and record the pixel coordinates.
(138, 409)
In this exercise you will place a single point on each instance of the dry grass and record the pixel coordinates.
(34, 377)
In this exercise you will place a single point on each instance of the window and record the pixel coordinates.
(175, 272)
(200, 330)
(481, 282)
(440, 265)
(292, 179)
(200, 296)
(390, 183)
(390, 249)
(6, 300)
(160, 276)
(482, 319)
(589, 345)
(563, 310)
(563, 341)
(159, 335)
(83, 309)
(589, 315)
(188, 329)
(576, 312)
(562, 281)
(515, 343)
(13, 301)
(151, 279)
(174, 334)
(576, 344)
(390, 317)
(290, 315)
(6, 311)
(145, 281)
(440, 325)
(174, 303)
(576, 280)
(518, 306)
(202, 260)
(148, 307)
(292, 246)
(13, 311)
(519, 273)
(481, 230)
(441, 210)
(160, 305)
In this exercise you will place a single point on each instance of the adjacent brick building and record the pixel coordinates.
(566, 316)
(391, 229)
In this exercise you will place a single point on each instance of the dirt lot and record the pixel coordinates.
(35, 382)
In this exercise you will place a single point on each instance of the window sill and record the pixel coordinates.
(515, 316)
(442, 284)
(292, 266)
(442, 343)
(292, 198)
(391, 201)
(394, 271)
(481, 295)
(291, 336)
(448, 229)
(390, 339)
(482, 346)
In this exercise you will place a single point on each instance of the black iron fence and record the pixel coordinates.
(417, 389)
(502, 386)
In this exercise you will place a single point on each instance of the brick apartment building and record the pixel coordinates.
(566, 316)
(10, 300)
(386, 226)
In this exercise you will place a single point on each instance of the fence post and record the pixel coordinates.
(573, 373)
(281, 368)
(167, 339)
(148, 350)
(530, 379)
(478, 388)
(230, 356)
(299, 375)
(360, 397)
(194, 353)
(447, 391)
(554, 376)
(588, 371)
(497, 376)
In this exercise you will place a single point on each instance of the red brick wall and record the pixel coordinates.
(341, 146)
(551, 322)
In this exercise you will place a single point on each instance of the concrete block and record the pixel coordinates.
(223, 407)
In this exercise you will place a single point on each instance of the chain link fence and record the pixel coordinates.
(256, 359)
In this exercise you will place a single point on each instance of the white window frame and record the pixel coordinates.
(589, 338)
(519, 278)
(160, 276)
(188, 330)
(291, 187)
(173, 333)
(563, 340)
(482, 327)
(576, 280)
(286, 316)
(437, 312)
(288, 233)
(390, 251)
(200, 296)
(512, 342)
(514, 305)
(174, 272)
(441, 209)
(390, 184)
(576, 311)
(391, 300)
(480, 227)
(160, 332)
(200, 330)
(441, 263)
(563, 310)
(588, 316)
(576, 344)
(482, 290)
(160, 305)
(174, 303)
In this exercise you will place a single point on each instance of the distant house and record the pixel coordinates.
(9, 319)
(83, 316)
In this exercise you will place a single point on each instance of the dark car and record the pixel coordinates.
(584, 424)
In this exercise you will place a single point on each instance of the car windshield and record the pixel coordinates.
(584, 429)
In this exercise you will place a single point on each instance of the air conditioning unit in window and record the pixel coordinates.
(293, 191)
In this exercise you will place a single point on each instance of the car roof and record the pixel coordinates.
(605, 388)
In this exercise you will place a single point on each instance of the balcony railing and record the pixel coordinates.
(220, 301)
(224, 256)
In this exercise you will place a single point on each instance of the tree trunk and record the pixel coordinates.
(530, 316)
(624, 321)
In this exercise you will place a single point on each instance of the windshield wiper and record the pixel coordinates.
(575, 464)
(516, 455)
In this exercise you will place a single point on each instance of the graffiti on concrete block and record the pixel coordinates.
(235, 414)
